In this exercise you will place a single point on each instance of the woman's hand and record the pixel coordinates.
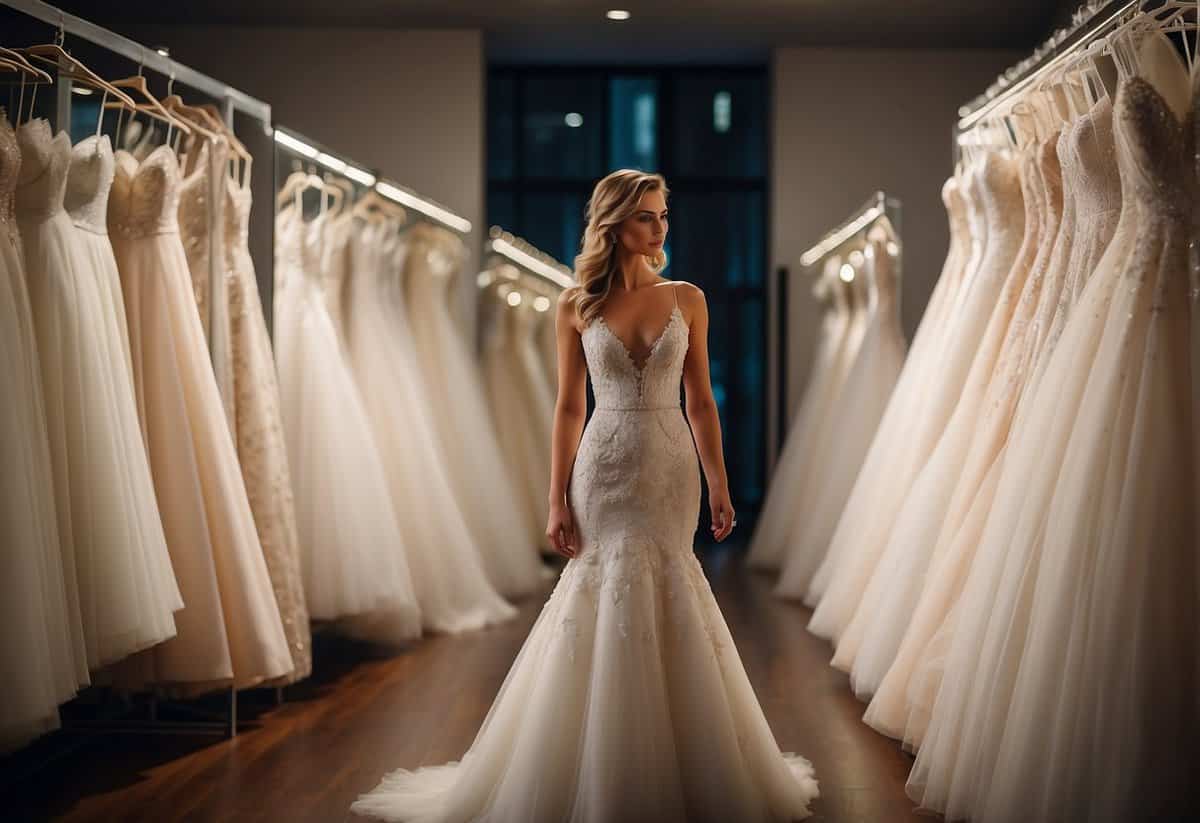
(560, 528)
(722, 513)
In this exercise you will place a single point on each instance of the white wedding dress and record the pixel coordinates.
(1069, 684)
(628, 702)
(452, 384)
(353, 558)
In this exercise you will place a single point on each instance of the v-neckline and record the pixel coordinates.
(653, 346)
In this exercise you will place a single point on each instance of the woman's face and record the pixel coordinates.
(645, 231)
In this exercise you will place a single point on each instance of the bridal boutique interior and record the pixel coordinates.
(277, 292)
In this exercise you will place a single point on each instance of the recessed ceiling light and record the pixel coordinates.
(164, 51)
(573, 119)
(617, 14)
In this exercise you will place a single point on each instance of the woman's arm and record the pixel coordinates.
(702, 412)
(570, 413)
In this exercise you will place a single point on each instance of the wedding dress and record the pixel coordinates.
(121, 590)
(794, 467)
(901, 705)
(257, 427)
(628, 702)
(230, 631)
(860, 405)
(451, 586)
(354, 561)
(867, 525)
(965, 208)
(1093, 479)
(453, 385)
(890, 596)
(509, 409)
(39, 663)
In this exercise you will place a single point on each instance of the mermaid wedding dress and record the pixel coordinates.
(628, 701)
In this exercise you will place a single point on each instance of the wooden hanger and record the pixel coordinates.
(19, 63)
(71, 69)
(374, 207)
(239, 148)
(152, 105)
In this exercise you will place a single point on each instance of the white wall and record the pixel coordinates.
(845, 123)
(408, 102)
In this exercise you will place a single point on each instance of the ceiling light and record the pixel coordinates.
(81, 90)
(847, 273)
(617, 14)
(573, 119)
(164, 51)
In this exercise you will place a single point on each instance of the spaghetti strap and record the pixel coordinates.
(675, 294)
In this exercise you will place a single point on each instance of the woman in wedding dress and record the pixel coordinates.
(628, 702)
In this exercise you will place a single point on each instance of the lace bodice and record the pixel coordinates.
(198, 209)
(1092, 163)
(619, 382)
(1156, 139)
(10, 167)
(42, 177)
(145, 195)
(89, 183)
(237, 220)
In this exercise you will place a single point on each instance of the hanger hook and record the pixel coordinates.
(60, 36)
(141, 60)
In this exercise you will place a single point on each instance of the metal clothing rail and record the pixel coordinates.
(145, 56)
(880, 205)
(526, 256)
(1057, 50)
(310, 149)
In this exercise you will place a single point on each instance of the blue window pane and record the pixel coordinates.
(554, 223)
(717, 238)
(633, 123)
(562, 126)
(501, 95)
(502, 210)
(720, 124)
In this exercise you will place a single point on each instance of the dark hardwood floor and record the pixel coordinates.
(363, 714)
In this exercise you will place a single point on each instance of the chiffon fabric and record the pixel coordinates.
(1068, 689)
(354, 560)
(512, 409)
(42, 655)
(452, 383)
(871, 376)
(230, 633)
(628, 700)
(841, 333)
(867, 522)
(448, 575)
(121, 592)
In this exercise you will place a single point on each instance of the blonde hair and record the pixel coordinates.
(614, 199)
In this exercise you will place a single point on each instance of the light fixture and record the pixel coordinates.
(617, 14)
(330, 162)
(513, 298)
(81, 90)
(573, 119)
(295, 144)
(483, 278)
(528, 261)
(893, 248)
(163, 50)
(846, 273)
(856, 258)
(722, 111)
(404, 198)
(541, 303)
(359, 175)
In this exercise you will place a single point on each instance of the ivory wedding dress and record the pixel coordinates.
(1077, 620)
(795, 466)
(877, 361)
(119, 578)
(453, 387)
(628, 702)
(39, 663)
(354, 561)
(230, 630)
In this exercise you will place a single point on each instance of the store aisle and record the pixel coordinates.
(309, 758)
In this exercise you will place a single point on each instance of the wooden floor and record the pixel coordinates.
(360, 716)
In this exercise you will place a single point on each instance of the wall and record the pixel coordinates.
(845, 123)
(408, 102)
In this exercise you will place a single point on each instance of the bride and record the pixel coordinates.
(628, 702)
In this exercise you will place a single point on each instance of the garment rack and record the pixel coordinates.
(880, 205)
(332, 161)
(1061, 46)
(146, 57)
(528, 258)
